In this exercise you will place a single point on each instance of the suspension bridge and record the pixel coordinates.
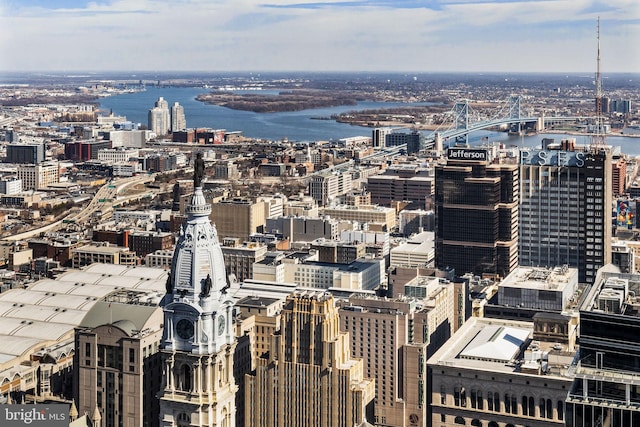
(463, 124)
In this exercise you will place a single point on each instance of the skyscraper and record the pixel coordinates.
(178, 120)
(476, 205)
(308, 377)
(564, 209)
(606, 371)
(198, 341)
(159, 117)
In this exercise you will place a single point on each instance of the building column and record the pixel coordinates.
(197, 386)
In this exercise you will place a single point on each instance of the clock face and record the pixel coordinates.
(221, 323)
(184, 328)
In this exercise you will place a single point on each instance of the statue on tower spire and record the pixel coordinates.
(198, 170)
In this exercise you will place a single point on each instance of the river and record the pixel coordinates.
(298, 125)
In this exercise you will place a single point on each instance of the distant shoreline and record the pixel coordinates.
(568, 132)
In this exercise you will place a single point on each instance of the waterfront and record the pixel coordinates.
(300, 125)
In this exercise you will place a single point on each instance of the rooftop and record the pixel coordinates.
(541, 278)
(501, 346)
(49, 310)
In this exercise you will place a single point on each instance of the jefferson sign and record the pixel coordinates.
(465, 154)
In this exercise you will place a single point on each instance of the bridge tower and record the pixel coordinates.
(514, 113)
(461, 112)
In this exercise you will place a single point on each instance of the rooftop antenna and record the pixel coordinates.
(598, 139)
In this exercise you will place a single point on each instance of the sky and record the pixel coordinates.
(316, 35)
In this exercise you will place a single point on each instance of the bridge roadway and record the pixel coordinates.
(454, 133)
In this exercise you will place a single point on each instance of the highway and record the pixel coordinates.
(106, 198)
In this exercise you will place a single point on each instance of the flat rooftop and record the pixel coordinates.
(542, 278)
(492, 345)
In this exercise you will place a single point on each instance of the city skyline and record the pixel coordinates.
(299, 35)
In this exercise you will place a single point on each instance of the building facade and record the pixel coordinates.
(178, 120)
(116, 362)
(476, 211)
(391, 336)
(25, 153)
(308, 378)
(491, 373)
(38, 176)
(158, 118)
(238, 218)
(564, 209)
(606, 372)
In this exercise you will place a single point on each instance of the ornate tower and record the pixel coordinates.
(198, 339)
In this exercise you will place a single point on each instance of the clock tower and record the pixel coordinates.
(198, 342)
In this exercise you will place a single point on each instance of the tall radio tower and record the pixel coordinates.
(598, 138)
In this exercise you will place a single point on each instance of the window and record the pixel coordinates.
(528, 406)
(560, 409)
(443, 395)
(460, 420)
(87, 349)
(476, 399)
(476, 422)
(493, 401)
(132, 355)
(459, 396)
(185, 378)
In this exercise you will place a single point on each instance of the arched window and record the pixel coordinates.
(493, 424)
(525, 405)
(511, 403)
(496, 401)
(476, 399)
(549, 409)
(509, 425)
(460, 396)
(532, 407)
(543, 407)
(560, 410)
(185, 378)
(460, 420)
(443, 395)
(476, 422)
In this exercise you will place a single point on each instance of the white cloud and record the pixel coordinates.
(247, 35)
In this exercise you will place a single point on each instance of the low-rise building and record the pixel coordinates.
(102, 253)
(492, 373)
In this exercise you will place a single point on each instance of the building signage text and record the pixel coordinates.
(464, 154)
(552, 158)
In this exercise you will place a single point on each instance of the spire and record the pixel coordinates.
(73, 411)
(96, 418)
(598, 138)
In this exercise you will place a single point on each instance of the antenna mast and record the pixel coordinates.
(598, 136)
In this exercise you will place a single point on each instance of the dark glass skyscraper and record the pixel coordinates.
(476, 204)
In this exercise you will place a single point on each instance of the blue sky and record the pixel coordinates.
(312, 35)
